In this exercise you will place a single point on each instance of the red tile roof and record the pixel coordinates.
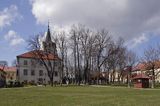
(139, 67)
(8, 68)
(39, 54)
(145, 66)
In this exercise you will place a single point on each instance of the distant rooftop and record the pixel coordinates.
(8, 68)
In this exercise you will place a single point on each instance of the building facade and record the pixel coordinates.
(10, 74)
(2, 78)
(30, 70)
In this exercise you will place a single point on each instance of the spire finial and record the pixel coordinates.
(48, 24)
(48, 36)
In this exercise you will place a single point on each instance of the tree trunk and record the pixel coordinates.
(52, 83)
(78, 64)
(98, 78)
(128, 81)
(62, 71)
(113, 76)
(129, 77)
(153, 78)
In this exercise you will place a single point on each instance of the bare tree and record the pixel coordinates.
(3, 76)
(121, 63)
(87, 42)
(131, 59)
(112, 62)
(61, 40)
(102, 41)
(150, 60)
(75, 34)
(117, 60)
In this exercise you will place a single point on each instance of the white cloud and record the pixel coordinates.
(127, 18)
(138, 40)
(63, 12)
(8, 15)
(13, 38)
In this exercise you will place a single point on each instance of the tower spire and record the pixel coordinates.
(48, 45)
(48, 36)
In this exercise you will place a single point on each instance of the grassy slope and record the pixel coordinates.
(78, 96)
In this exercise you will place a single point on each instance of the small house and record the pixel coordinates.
(141, 81)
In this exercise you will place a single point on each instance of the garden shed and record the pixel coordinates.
(141, 81)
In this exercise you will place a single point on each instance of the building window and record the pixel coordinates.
(25, 72)
(32, 72)
(25, 62)
(56, 73)
(40, 72)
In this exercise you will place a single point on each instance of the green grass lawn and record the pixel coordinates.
(79, 96)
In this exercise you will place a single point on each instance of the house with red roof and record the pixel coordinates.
(11, 74)
(141, 81)
(30, 70)
(2, 77)
(144, 70)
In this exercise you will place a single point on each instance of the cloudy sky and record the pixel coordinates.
(137, 21)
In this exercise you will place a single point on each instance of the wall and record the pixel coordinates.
(33, 65)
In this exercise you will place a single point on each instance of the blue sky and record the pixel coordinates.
(24, 25)
(136, 21)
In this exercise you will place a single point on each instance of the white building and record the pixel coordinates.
(30, 70)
